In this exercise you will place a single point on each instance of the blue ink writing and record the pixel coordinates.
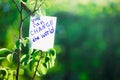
(41, 28)
(36, 38)
(46, 33)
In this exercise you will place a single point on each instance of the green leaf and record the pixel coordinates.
(21, 71)
(31, 64)
(15, 57)
(24, 0)
(25, 41)
(24, 59)
(45, 65)
(51, 63)
(1, 58)
(47, 59)
(18, 44)
(52, 53)
(4, 51)
(4, 63)
(42, 70)
(11, 75)
(3, 74)
(25, 46)
(36, 55)
(47, 54)
(10, 58)
(30, 51)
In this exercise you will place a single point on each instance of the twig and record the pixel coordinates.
(35, 5)
(25, 8)
(20, 37)
(16, 5)
(37, 66)
(39, 7)
(18, 64)
(34, 10)
(26, 17)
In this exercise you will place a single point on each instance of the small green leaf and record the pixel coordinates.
(21, 71)
(24, 59)
(45, 65)
(42, 70)
(4, 51)
(36, 55)
(25, 41)
(24, 0)
(47, 59)
(51, 63)
(3, 74)
(32, 63)
(11, 75)
(4, 63)
(30, 50)
(52, 51)
(18, 44)
(10, 58)
(15, 57)
(1, 58)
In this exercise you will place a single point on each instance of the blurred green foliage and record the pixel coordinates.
(87, 37)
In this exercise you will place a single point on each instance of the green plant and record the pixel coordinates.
(22, 59)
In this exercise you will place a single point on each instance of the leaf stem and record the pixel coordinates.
(39, 6)
(37, 66)
(34, 9)
(35, 5)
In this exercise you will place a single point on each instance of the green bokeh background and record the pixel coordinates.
(87, 37)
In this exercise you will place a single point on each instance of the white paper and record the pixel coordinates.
(42, 32)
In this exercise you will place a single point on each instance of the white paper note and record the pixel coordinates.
(42, 32)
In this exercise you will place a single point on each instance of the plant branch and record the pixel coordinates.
(37, 66)
(34, 10)
(39, 6)
(16, 5)
(20, 37)
(35, 5)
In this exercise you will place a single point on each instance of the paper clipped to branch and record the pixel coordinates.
(42, 32)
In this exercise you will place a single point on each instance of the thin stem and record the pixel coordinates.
(26, 17)
(37, 66)
(19, 8)
(21, 25)
(39, 7)
(16, 5)
(35, 5)
(19, 50)
(34, 9)
(17, 73)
